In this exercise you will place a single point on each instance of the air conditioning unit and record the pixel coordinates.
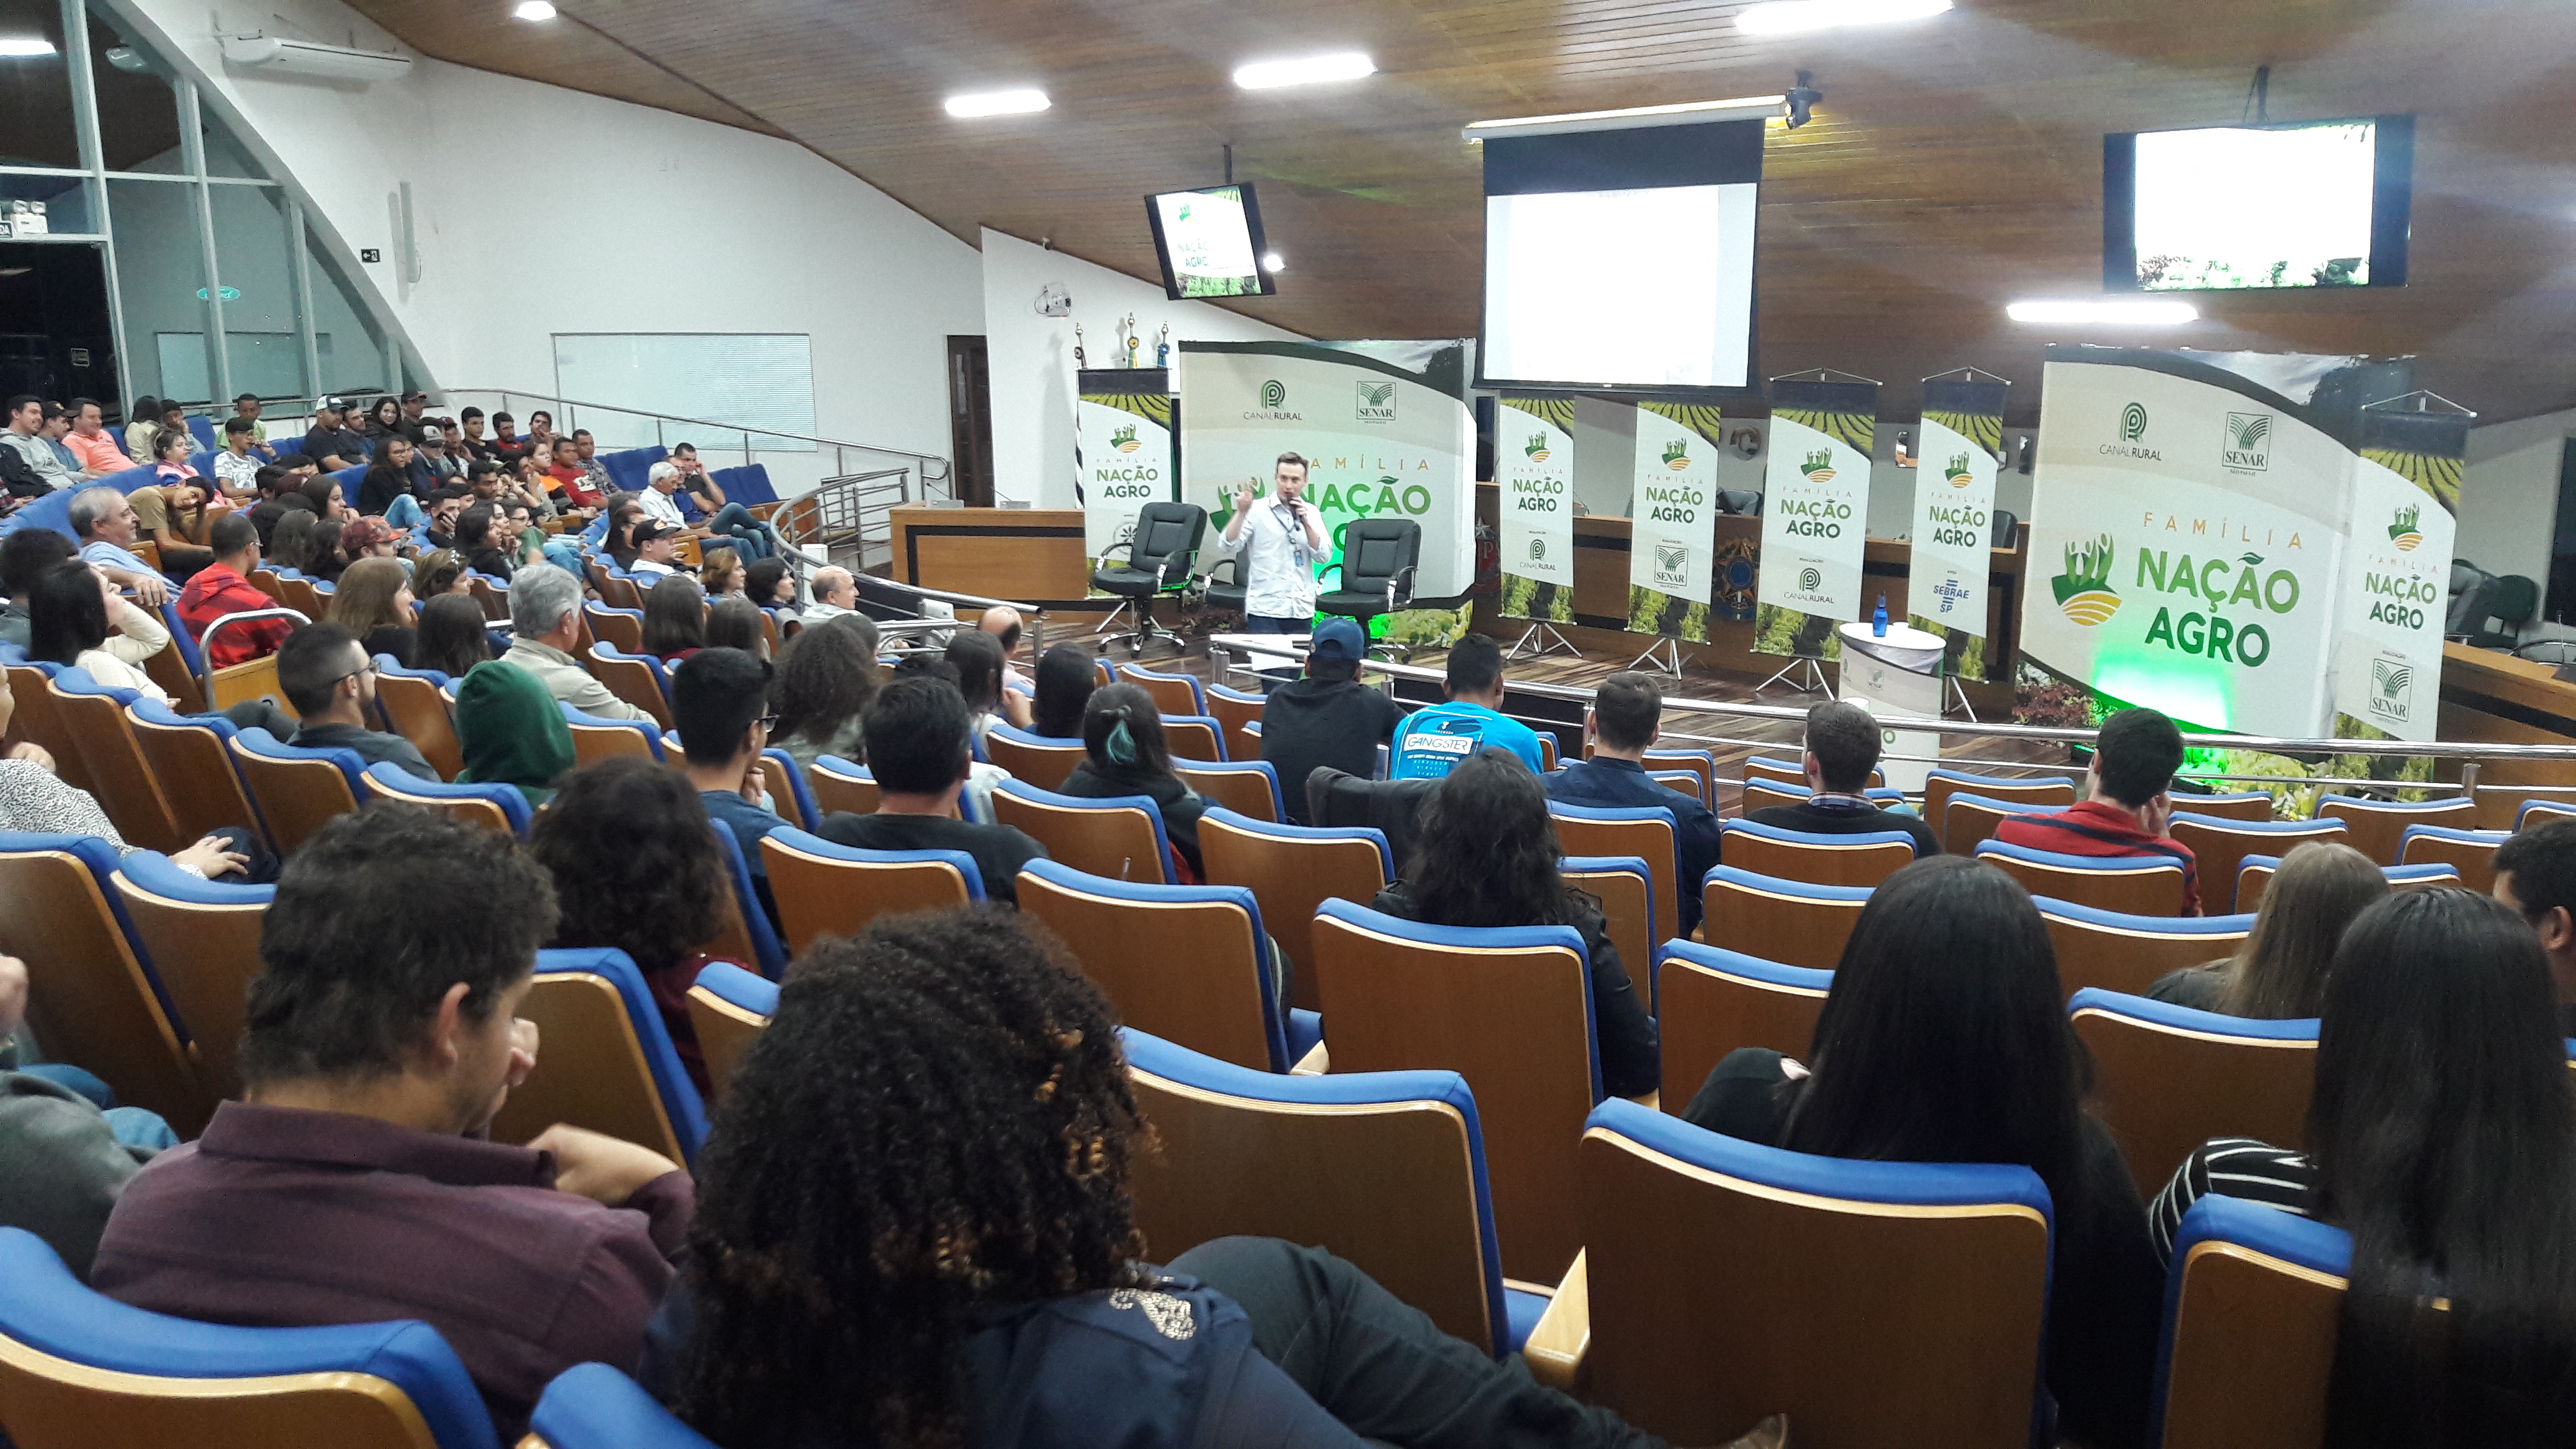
(305, 58)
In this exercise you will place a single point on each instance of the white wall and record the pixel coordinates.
(2509, 495)
(683, 226)
(1031, 356)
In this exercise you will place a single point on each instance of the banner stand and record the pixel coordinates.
(1814, 675)
(1666, 656)
(1541, 640)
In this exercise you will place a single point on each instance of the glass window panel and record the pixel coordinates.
(64, 199)
(225, 154)
(35, 91)
(138, 113)
(55, 341)
(153, 226)
(357, 364)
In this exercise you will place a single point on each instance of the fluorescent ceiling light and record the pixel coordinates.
(1270, 262)
(1796, 17)
(2105, 312)
(1686, 112)
(1343, 65)
(25, 46)
(535, 10)
(998, 103)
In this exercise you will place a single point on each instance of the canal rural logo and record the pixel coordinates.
(1677, 454)
(1538, 548)
(2133, 422)
(1124, 440)
(2084, 591)
(1957, 472)
(1274, 394)
(1376, 403)
(1819, 466)
(2401, 530)
(1537, 449)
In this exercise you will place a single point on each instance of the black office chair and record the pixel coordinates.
(1228, 595)
(1745, 502)
(2510, 600)
(1158, 560)
(1378, 559)
(2006, 526)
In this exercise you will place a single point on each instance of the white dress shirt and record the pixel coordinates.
(1277, 563)
(658, 505)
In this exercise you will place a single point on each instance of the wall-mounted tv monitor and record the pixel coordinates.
(1210, 242)
(2281, 204)
(1621, 260)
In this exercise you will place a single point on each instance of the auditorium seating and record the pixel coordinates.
(623, 628)
(2535, 813)
(595, 739)
(1787, 921)
(728, 1006)
(1120, 837)
(298, 790)
(1509, 1009)
(2376, 827)
(1174, 694)
(2253, 1305)
(593, 1406)
(1626, 890)
(94, 716)
(2499, 807)
(1247, 787)
(1839, 860)
(743, 930)
(37, 722)
(1385, 1170)
(79, 1369)
(841, 785)
(1791, 773)
(823, 889)
(2254, 878)
(1699, 763)
(638, 679)
(1233, 709)
(1194, 737)
(1970, 820)
(2168, 1078)
(413, 707)
(1190, 964)
(1291, 870)
(2470, 852)
(201, 939)
(1709, 1001)
(1682, 782)
(191, 758)
(1035, 758)
(2219, 846)
(501, 807)
(2055, 791)
(1643, 831)
(2126, 953)
(2136, 885)
(2249, 805)
(789, 794)
(604, 1059)
(1876, 1322)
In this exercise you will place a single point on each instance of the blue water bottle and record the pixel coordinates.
(1878, 621)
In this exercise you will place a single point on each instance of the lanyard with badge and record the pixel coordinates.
(1298, 552)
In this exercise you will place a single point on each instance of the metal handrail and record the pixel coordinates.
(748, 432)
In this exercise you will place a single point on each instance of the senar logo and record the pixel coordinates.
(1957, 472)
(1376, 403)
(2401, 529)
(2245, 450)
(2393, 698)
(2084, 592)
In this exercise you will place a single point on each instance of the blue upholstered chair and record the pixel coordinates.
(1042, 760)
(1383, 1169)
(1969, 819)
(595, 738)
(1174, 693)
(2253, 1305)
(1291, 870)
(2219, 845)
(2054, 791)
(298, 790)
(191, 757)
(1683, 1228)
(2240, 805)
(2170, 1078)
(199, 942)
(1247, 787)
(1836, 860)
(638, 679)
(748, 935)
(1508, 1008)
(789, 793)
(2254, 876)
(1710, 1001)
(1195, 737)
(2470, 852)
(2541, 812)
(729, 1006)
(497, 805)
(1788, 921)
(1644, 831)
(1120, 837)
(1625, 885)
(80, 1368)
(824, 889)
(839, 784)
(2136, 885)
(1189, 963)
(631, 468)
(613, 1068)
(1791, 772)
(593, 1406)
(2375, 827)
(2126, 953)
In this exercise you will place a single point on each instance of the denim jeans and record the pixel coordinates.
(754, 536)
(404, 512)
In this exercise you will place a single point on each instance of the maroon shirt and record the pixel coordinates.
(2090, 827)
(279, 1217)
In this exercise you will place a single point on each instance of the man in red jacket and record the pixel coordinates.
(2126, 805)
(224, 587)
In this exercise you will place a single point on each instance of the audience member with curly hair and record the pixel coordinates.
(824, 685)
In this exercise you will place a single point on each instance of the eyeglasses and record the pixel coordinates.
(768, 721)
(367, 668)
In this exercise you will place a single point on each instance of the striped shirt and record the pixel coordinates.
(2232, 1167)
(2090, 827)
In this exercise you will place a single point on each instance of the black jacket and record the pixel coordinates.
(1180, 805)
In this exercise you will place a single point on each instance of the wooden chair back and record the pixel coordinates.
(126, 788)
(1511, 1016)
(1194, 738)
(472, 809)
(302, 597)
(1708, 1002)
(91, 1002)
(2253, 805)
(241, 683)
(1248, 787)
(206, 955)
(1700, 763)
(2056, 792)
(1681, 782)
(1626, 888)
(1291, 870)
(1046, 766)
(823, 889)
(195, 771)
(1121, 842)
(619, 627)
(2500, 806)
(168, 670)
(1186, 963)
(2470, 852)
(1816, 859)
(619, 592)
(607, 740)
(2219, 846)
(38, 723)
(1973, 819)
(591, 1071)
(1646, 833)
(297, 797)
(1791, 922)
(631, 679)
(418, 712)
(2375, 827)
(2126, 953)
(495, 602)
(840, 785)
(1233, 709)
(2136, 886)
(729, 1007)
(2252, 1327)
(2168, 1078)
(1944, 1301)
(1173, 693)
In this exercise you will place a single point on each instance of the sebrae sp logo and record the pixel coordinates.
(1957, 472)
(1950, 592)
(1677, 454)
(1537, 448)
(1274, 394)
(1124, 440)
(2084, 592)
(1376, 403)
(2246, 448)
(2392, 694)
(1672, 563)
(2401, 529)
(2133, 422)
(1818, 466)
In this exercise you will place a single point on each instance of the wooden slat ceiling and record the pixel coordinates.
(1955, 163)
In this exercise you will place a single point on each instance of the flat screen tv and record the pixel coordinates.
(2277, 204)
(1210, 242)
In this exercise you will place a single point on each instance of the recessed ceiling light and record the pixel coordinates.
(1270, 262)
(1793, 17)
(1344, 65)
(15, 271)
(2106, 312)
(997, 103)
(534, 10)
(25, 46)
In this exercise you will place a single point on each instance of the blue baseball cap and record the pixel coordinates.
(1338, 638)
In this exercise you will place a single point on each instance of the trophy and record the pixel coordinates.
(1135, 344)
(1077, 347)
(1163, 348)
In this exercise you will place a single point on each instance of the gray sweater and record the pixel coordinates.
(61, 1166)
